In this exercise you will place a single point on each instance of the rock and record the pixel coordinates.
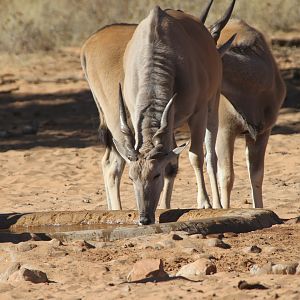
(147, 269)
(55, 242)
(214, 242)
(285, 268)
(244, 285)
(81, 246)
(271, 249)
(178, 235)
(197, 236)
(293, 221)
(215, 236)
(201, 266)
(265, 269)
(9, 271)
(28, 274)
(298, 270)
(165, 244)
(252, 249)
(100, 244)
(25, 246)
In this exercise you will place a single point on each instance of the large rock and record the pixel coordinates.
(285, 268)
(298, 270)
(271, 268)
(29, 274)
(199, 267)
(147, 269)
(265, 269)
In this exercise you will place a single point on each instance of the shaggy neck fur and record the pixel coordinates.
(156, 80)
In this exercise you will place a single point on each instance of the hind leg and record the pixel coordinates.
(112, 167)
(210, 144)
(255, 156)
(225, 149)
(170, 174)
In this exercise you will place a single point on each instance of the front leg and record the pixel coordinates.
(197, 125)
(112, 167)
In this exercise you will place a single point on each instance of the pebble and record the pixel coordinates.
(199, 267)
(252, 249)
(293, 221)
(298, 270)
(244, 285)
(272, 250)
(215, 242)
(9, 271)
(81, 246)
(165, 244)
(56, 243)
(215, 236)
(178, 235)
(147, 269)
(25, 246)
(197, 236)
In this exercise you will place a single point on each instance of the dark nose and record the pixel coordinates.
(145, 220)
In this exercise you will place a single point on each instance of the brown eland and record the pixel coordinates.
(170, 73)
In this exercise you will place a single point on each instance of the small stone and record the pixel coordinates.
(244, 285)
(81, 246)
(55, 242)
(27, 274)
(252, 249)
(9, 271)
(25, 246)
(285, 268)
(199, 267)
(272, 250)
(147, 269)
(298, 270)
(214, 242)
(166, 244)
(215, 236)
(178, 235)
(293, 221)
(265, 269)
(100, 244)
(197, 236)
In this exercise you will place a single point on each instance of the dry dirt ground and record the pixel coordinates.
(50, 160)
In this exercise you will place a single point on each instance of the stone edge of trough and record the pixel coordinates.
(242, 222)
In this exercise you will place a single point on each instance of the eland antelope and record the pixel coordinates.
(252, 94)
(169, 73)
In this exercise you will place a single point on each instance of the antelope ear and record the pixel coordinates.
(179, 149)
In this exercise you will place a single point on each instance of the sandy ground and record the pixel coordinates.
(50, 160)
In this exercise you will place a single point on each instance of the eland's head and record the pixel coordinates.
(147, 168)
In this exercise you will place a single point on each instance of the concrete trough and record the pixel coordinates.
(114, 225)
